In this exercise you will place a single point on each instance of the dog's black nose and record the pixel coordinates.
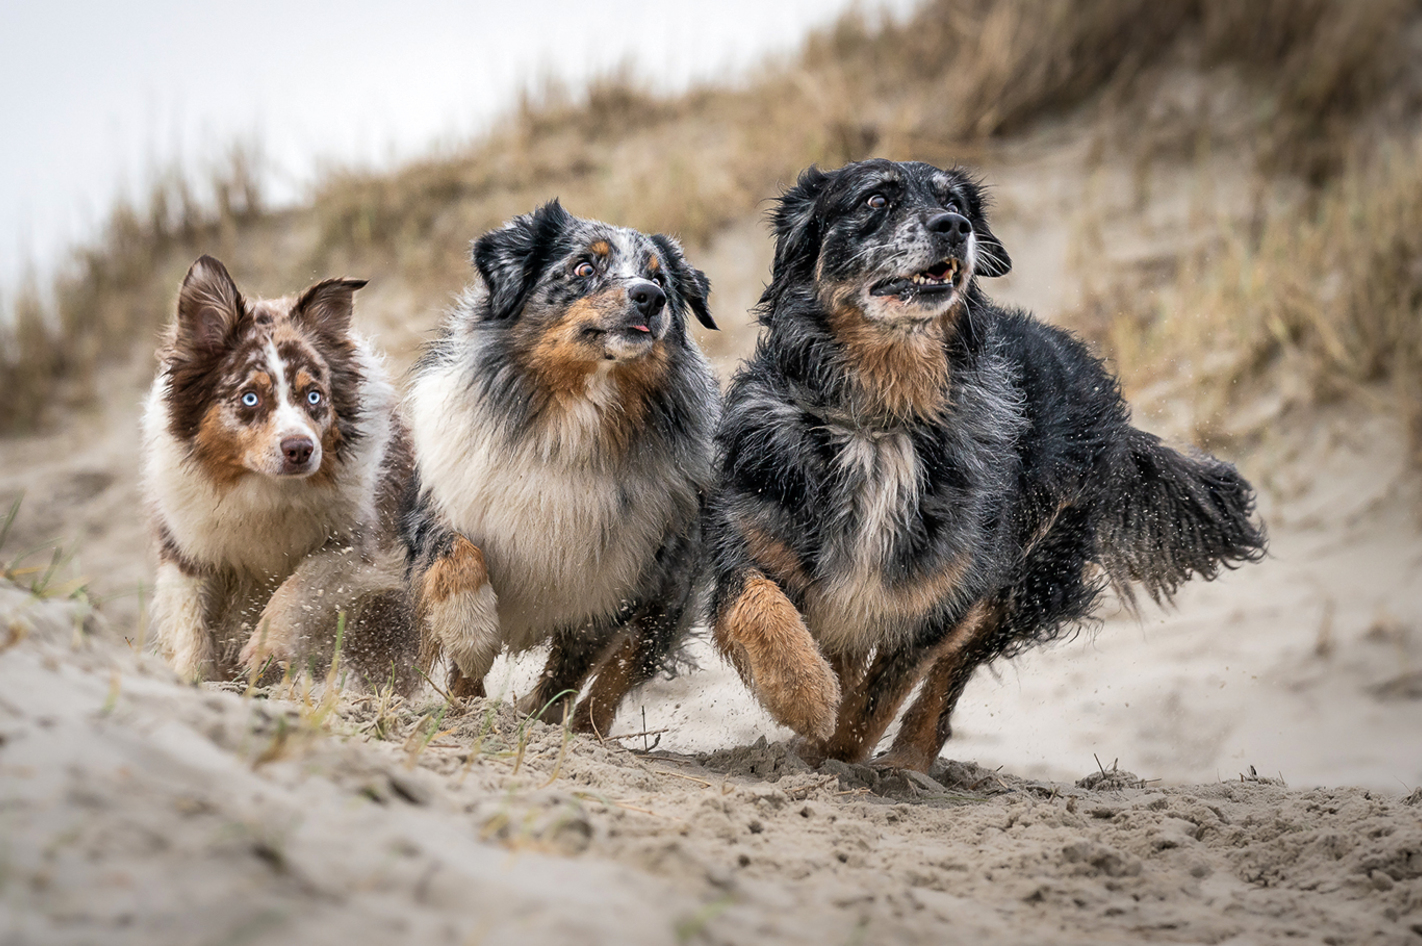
(648, 298)
(955, 226)
(297, 450)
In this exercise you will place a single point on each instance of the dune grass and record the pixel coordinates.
(955, 75)
(1317, 302)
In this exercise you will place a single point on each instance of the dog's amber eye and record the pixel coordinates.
(584, 270)
(877, 202)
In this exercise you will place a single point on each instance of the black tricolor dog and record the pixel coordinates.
(562, 424)
(913, 481)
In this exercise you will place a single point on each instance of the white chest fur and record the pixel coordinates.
(855, 608)
(561, 545)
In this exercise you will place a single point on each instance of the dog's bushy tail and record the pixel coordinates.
(1167, 516)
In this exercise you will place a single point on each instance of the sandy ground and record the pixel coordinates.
(135, 809)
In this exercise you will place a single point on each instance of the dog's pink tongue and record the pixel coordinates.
(642, 328)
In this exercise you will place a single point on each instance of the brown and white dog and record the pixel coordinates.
(274, 459)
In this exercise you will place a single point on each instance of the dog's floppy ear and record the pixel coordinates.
(511, 258)
(209, 307)
(689, 281)
(797, 232)
(992, 255)
(326, 307)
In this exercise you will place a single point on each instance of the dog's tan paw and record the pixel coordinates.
(459, 610)
(273, 643)
(767, 640)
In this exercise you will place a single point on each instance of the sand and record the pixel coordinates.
(136, 809)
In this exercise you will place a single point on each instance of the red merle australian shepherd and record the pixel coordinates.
(273, 465)
(562, 423)
(913, 481)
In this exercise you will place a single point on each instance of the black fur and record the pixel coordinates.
(1028, 472)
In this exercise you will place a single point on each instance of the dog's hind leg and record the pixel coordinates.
(871, 698)
(764, 637)
(631, 659)
(458, 616)
(573, 656)
(927, 724)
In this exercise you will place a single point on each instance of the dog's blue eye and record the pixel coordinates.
(313, 398)
(250, 399)
(584, 270)
(877, 201)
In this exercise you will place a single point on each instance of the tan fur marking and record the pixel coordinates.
(562, 359)
(462, 569)
(638, 380)
(222, 447)
(776, 558)
(925, 726)
(902, 373)
(763, 636)
(871, 603)
(304, 379)
(596, 713)
(600, 248)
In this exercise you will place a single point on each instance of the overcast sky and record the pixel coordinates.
(94, 96)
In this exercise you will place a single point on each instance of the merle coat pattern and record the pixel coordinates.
(913, 481)
(563, 423)
(274, 460)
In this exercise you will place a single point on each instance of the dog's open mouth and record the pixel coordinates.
(939, 278)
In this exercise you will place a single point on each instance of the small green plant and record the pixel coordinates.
(42, 581)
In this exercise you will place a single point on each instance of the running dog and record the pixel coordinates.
(913, 481)
(274, 461)
(562, 422)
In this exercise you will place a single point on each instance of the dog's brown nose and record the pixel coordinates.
(955, 226)
(648, 298)
(297, 450)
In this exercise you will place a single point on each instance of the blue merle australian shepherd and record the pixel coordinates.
(562, 424)
(914, 481)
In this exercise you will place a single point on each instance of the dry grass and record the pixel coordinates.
(1319, 300)
(958, 72)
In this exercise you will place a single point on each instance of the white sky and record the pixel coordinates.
(96, 96)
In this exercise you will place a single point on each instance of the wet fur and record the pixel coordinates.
(563, 458)
(929, 480)
(254, 563)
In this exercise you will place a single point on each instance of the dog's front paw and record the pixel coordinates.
(273, 642)
(459, 610)
(765, 637)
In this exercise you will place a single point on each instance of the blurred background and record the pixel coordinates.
(1223, 198)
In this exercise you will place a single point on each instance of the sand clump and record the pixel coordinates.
(137, 809)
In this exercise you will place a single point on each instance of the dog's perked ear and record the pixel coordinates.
(511, 258)
(209, 307)
(797, 235)
(326, 307)
(688, 281)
